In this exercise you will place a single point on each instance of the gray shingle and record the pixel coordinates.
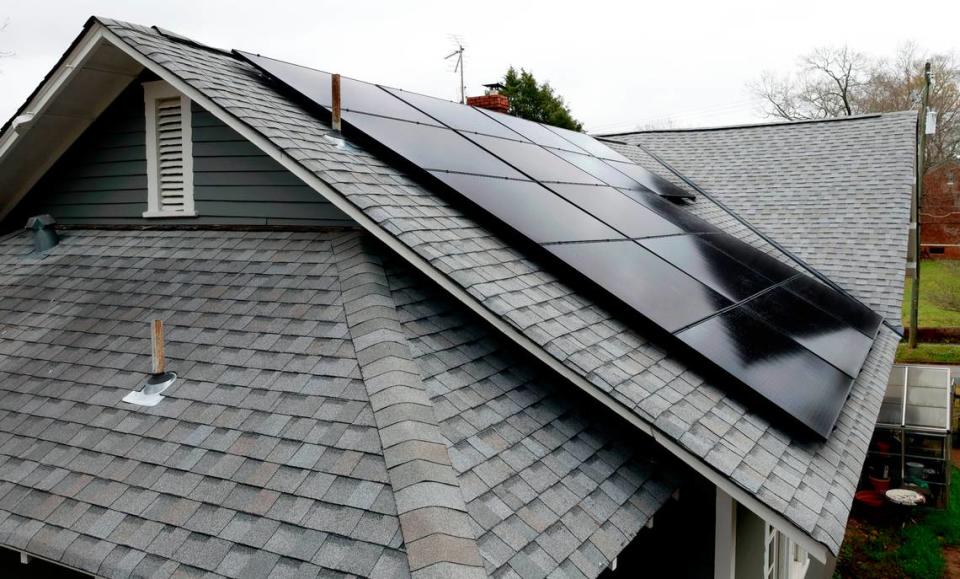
(204, 477)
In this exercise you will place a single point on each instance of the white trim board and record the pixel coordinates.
(35, 111)
(814, 547)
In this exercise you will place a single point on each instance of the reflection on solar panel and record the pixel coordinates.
(782, 334)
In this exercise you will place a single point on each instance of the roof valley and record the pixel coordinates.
(433, 515)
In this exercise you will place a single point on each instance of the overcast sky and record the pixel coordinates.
(618, 64)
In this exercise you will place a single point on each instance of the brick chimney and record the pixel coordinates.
(492, 99)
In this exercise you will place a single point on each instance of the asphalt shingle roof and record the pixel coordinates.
(304, 431)
(810, 483)
(545, 483)
(266, 441)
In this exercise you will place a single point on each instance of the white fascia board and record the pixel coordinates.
(54, 85)
(36, 108)
(815, 548)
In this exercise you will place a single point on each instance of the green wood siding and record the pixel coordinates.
(233, 181)
(102, 179)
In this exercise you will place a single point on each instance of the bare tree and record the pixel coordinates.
(897, 85)
(660, 124)
(828, 84)
(835, 82)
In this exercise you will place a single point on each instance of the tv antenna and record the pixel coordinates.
(458, 65)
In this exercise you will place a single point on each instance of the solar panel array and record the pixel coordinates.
(786, 336)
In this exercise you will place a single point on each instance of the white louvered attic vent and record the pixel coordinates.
(169, 152)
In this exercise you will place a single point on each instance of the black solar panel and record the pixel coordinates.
(617, 210)
(820, 332)
(766, 265)
(533, 132)
(699, 259)
(679, 217)
(356, 96)
(773, 366)
(529, 207)
(432, 148)
(456, 116)
(852, 312)
(646, 283)
(653, 182)
(599, 169)
(589, 144)
(535, 161)
(791, 339)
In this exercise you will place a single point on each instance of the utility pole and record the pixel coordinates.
(917, 196)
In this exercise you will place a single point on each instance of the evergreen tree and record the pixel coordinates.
(537, 102)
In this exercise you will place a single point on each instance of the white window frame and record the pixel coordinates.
(789, 560)
(154, 91)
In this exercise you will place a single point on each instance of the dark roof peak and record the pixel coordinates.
(778, 123)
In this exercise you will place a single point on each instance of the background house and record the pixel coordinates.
(940, 212)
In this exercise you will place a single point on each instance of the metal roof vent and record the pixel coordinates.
(341, 144)
(44, 235)
(150, 391)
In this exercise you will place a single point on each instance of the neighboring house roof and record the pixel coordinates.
(831, 191)
(792, 481)
(308, 371)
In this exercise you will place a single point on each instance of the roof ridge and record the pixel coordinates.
(433, 514)
(781, 123)
(160, 31)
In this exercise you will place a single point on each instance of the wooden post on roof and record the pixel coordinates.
(156, 339)
(335, 97)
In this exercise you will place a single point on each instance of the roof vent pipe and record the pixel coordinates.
(44, 234)
(159, 380)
